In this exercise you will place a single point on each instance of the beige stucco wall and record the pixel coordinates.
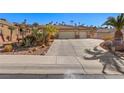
(104, 34)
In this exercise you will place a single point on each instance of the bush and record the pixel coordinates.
(108, 38)
(51, 31)
(29, 41)
(37, 34)
(8, 48)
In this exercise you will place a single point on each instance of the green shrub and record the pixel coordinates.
(37, 34)
(29, 41)
(51, 31)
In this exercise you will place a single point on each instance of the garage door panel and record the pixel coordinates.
(66, 35)
(83, 35)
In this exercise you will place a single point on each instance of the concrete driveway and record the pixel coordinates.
(66, 57)
(72, 47)
(73, 51)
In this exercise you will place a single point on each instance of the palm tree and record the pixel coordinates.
(79, 23)
(75, 24)
(25, 21)
(83, 25)
(56, 23)
(51, 22)
(63, 23)
(71, 21)
(35, 24)
(11, 28)
(117, 23)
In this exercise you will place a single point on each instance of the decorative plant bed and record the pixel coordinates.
(35, 50)
(118, 53)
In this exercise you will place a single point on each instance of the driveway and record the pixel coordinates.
(74, 51)
(72, 47)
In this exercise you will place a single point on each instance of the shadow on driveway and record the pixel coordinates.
(107, 59)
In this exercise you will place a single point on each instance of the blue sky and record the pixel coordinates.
(95, 19)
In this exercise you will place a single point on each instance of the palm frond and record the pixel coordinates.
(117, 22)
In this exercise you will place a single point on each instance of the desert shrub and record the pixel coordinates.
(8, 48)
(108, 38)
(37, 34)
(51, 31)
(41, 36)
(29, 41)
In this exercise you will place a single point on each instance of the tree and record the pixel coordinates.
(11, 28)
(56, 23)
(63, 23)
(75, 24)
(79, 23)
(71, 21)
(3, 19)
(35, 24)
(117, 23)
(25, 21)
(51, 30)
(51, 22)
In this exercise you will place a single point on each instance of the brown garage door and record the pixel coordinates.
(83, 35)
(67, 35)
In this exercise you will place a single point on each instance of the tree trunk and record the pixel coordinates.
(118, 35)
(2, 37)
(11, 32)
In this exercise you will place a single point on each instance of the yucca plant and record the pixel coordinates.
(29, 41)
(117, 23)
(38, 34)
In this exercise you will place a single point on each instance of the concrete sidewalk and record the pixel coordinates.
(39, 65)
(17, 64)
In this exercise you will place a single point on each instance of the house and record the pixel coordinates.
(72, 32)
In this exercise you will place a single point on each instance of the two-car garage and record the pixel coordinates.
(69, 32)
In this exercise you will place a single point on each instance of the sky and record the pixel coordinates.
(95, 19)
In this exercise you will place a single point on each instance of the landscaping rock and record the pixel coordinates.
(43, 46)
(29, 51)
(34, 49)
